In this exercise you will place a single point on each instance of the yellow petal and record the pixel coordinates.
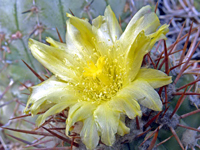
(112, 23)
(154, 77)
(75, 47)
(107, 121)
(143, 20)
(141, 91)
(107, 31)
(57, 61)
(108, 27)
(89, 134)
(70, 114)
(79, 33)
(135, 55)
(57, 44)
(47, 93)
(159, 34)
(102, 36)
(104, 32)
(122, 129)
(126, 105)
(83, 26)
(79, 112)
(143, 11)
(71, 48)
(38, 106)
(54, 110)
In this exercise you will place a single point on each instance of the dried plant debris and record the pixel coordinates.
(178, 12)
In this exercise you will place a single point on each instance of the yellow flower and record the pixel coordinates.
(98, 74)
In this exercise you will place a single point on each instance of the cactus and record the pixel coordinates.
(19, 21)
(39, 19)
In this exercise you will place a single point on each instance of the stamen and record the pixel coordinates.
(101, 81)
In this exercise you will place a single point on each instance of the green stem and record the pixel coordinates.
(17, 26)
(62, 14)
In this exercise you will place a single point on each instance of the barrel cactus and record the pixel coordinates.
(168, 123)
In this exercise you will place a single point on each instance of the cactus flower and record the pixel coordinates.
(98, 75)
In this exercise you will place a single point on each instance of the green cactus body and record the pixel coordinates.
(38, 19)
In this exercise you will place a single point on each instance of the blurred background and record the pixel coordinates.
(38, 19)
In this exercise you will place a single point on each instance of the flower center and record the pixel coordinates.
(94, 70)
(101, 81)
